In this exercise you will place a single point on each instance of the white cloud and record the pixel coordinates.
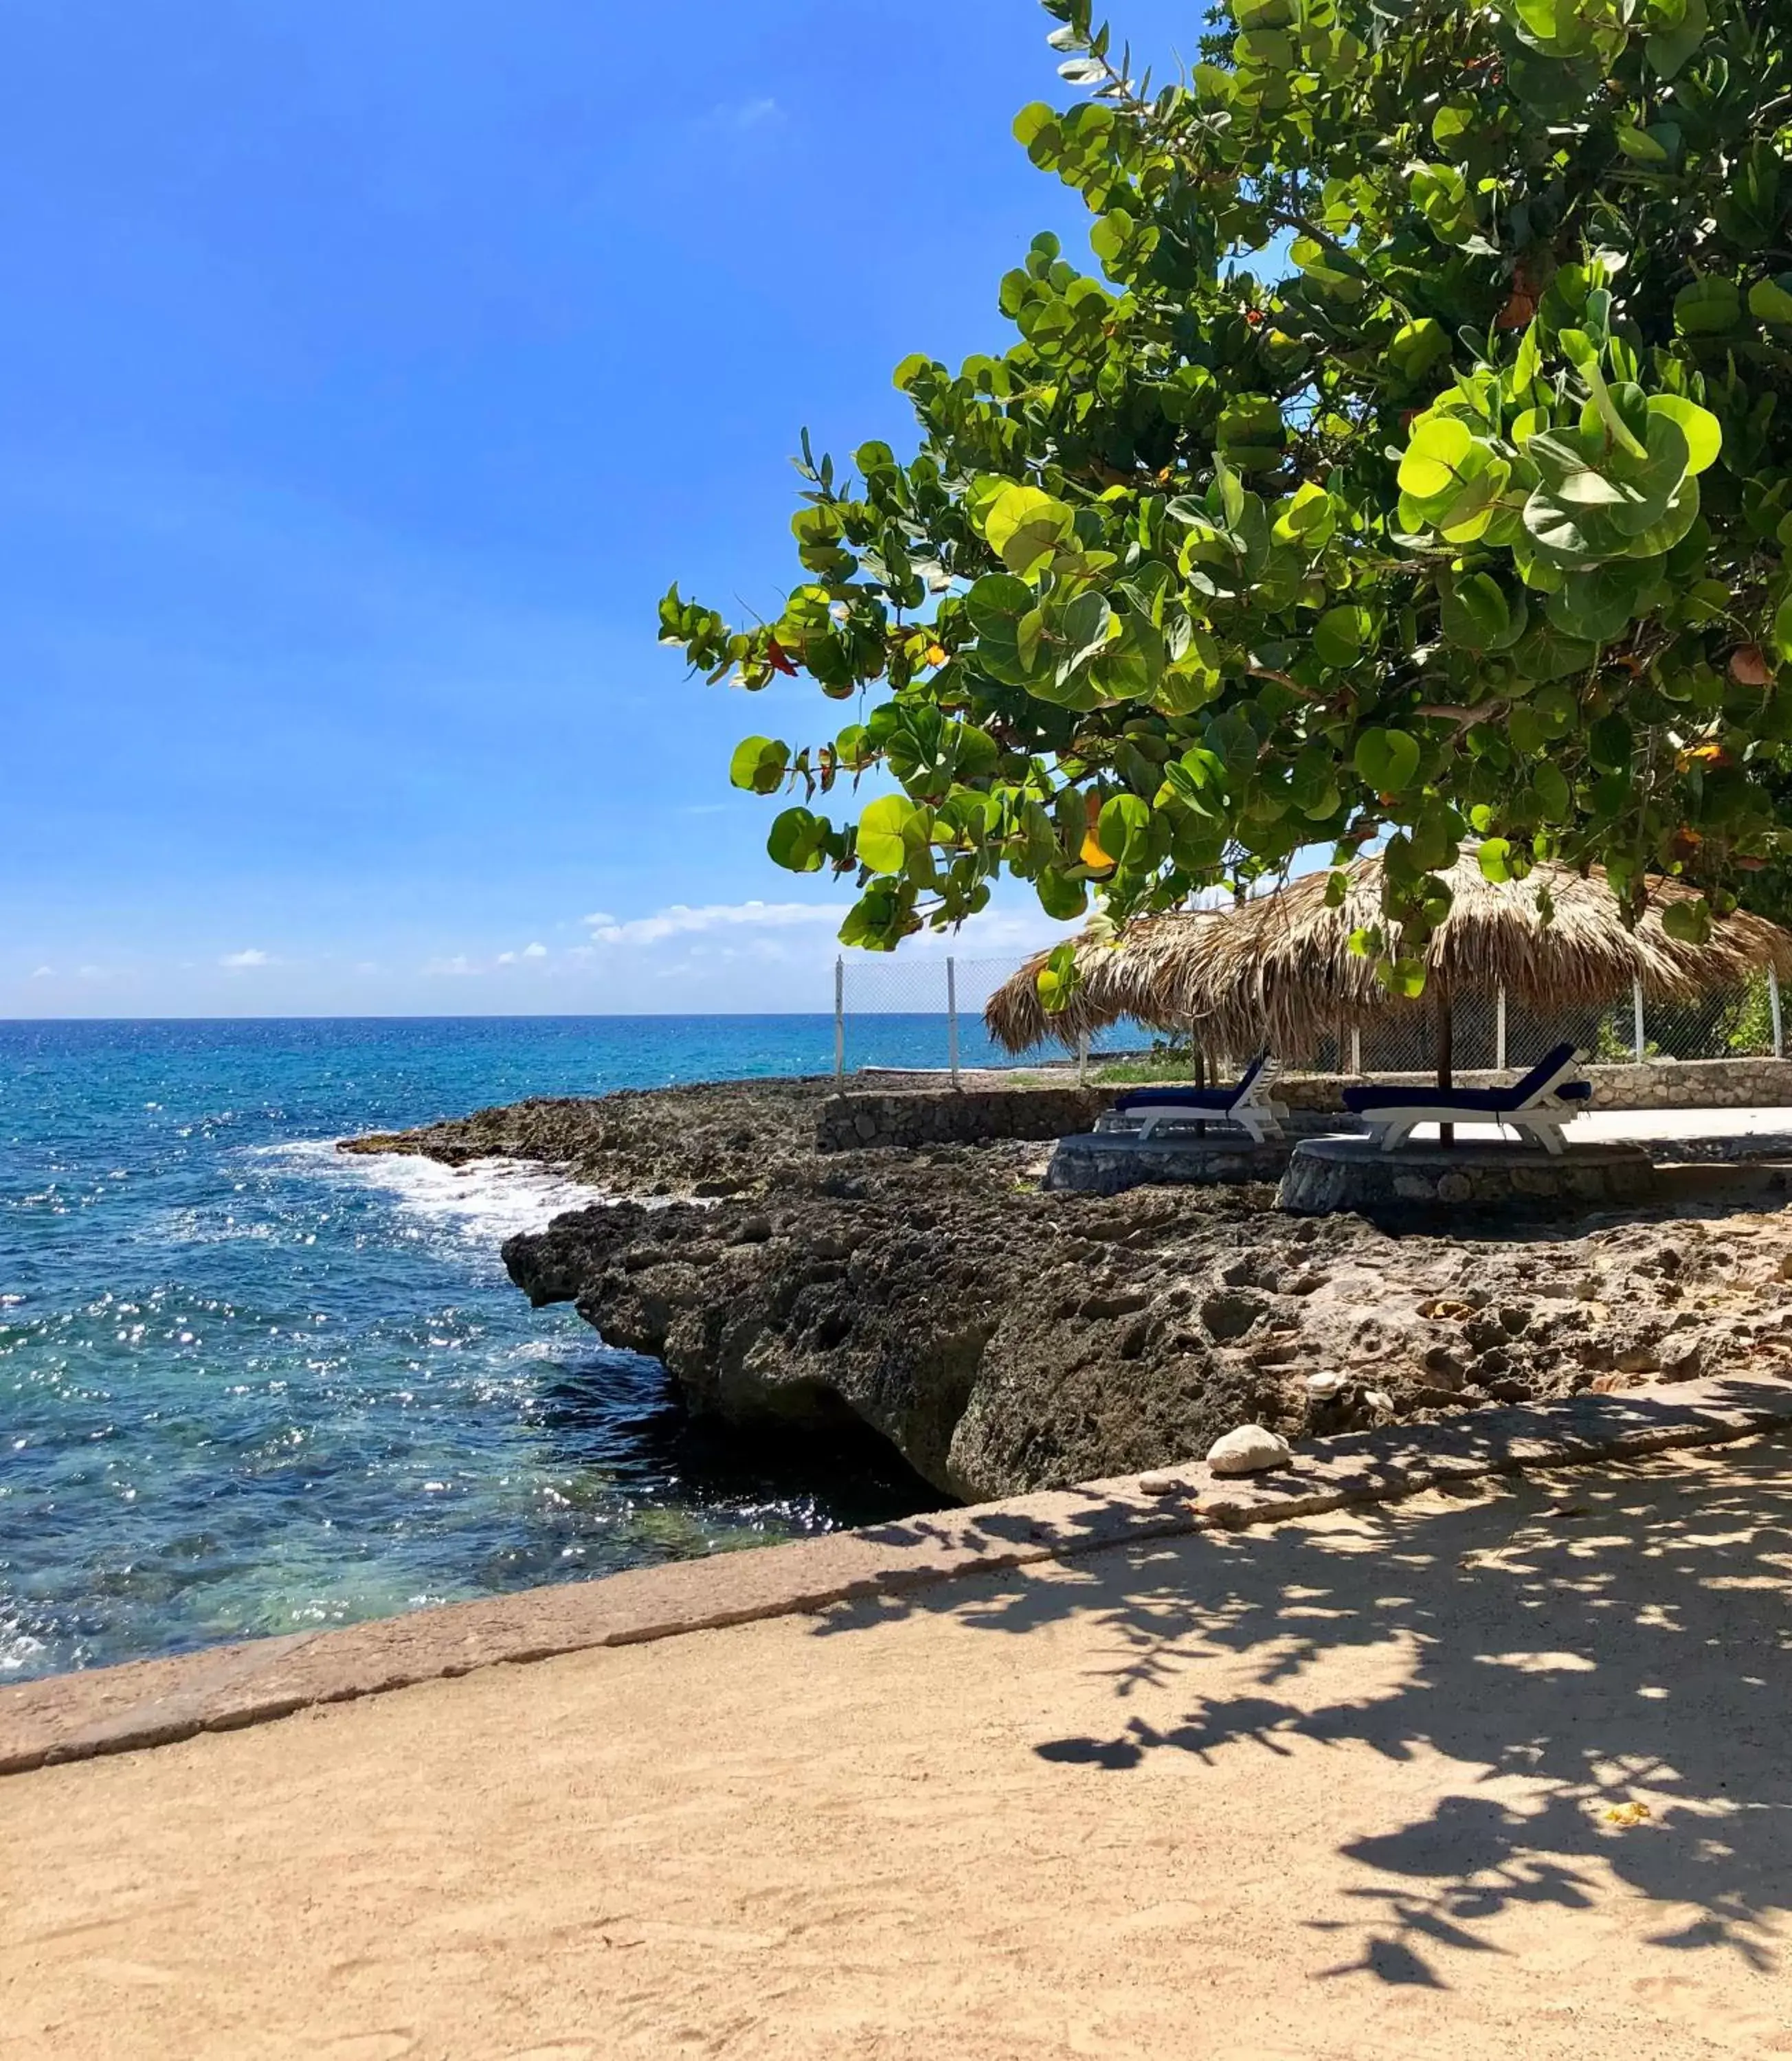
(43, 973)
(681, 921)
(600, 920)
(739, 116)
(250, 957)
(535, 951)
(459, 964)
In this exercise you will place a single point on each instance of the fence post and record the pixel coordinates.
(1499, 1031)
(1082, 1059)
(1639, 1041)
(952, 1018)
(1355, 1049)
(840, 1022)
(1772, 1004)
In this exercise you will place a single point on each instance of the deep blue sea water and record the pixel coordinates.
(250, 1385)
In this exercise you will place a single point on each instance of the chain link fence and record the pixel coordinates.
(924, 1013)
(1498, 1032)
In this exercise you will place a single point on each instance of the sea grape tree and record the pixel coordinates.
(1416, 469)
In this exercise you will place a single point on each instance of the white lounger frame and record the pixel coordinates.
(1540, 1117)
(1254, 1113)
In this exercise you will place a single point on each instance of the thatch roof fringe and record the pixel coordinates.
(1281, 967)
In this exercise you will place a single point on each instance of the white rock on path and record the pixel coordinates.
(1160, 1482)
(1250, 1449)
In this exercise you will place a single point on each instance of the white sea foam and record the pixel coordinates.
(485, 1201)
(18, 1648)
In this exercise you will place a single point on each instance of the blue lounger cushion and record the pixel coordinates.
(1217, 1099)
(1480, 1102)
(1214, 1101)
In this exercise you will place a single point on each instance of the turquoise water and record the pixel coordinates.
(249, 1385)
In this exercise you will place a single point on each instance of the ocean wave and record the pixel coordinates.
(18, 1650)
(486, 1200)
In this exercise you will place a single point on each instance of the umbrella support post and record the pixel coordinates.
(1446, 1027)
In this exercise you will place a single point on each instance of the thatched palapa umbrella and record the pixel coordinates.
(1280, 969)
(1137, 978)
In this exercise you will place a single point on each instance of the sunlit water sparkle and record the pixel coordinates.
(249, 1384)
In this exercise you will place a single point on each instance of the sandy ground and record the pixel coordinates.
(1338, 1789)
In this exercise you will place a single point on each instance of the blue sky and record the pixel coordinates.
(371, 372)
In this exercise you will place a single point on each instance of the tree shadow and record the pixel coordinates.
(1610, 1633)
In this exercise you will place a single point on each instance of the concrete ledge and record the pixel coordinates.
(1326, 1174)
(1107, 1162)
(154, 1703)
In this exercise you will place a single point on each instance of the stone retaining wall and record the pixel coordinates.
(1656, 1084)
(955, 1116)
(968, 1115)
(1329, 1175)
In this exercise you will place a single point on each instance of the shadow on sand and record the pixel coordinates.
(1602, 1633)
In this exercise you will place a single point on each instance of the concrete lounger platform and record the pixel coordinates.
(152, 1702)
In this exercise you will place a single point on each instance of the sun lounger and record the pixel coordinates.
(1550, 1095)
(1246, 1105)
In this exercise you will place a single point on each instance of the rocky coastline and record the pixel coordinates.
(1005, 1339)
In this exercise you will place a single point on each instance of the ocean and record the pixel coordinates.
(249, 1385)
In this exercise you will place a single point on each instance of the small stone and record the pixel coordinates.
(1251, 1450)
(1683, 1359)
(1164, 1484)
(1321, 1387)
(1378, 1398)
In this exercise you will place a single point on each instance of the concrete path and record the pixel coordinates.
(1643, 1126)
(1498, 1772)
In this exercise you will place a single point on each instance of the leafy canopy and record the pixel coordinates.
(1469, 521)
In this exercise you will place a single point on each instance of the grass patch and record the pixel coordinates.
(1146, 1066)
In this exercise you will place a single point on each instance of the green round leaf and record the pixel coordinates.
(1475, 613)
(1708, 307)
(1702, 430)
(1770, 300)
(797, 840)
(758, 765)
(1123, 827)
(1417, 347)
(1689, 923)
(1340, 635)
(1434, 456)
(1027, 528)
(882, 846)
(997, 602)
(1597, 606)
(1387, 760)
(1554, 796)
